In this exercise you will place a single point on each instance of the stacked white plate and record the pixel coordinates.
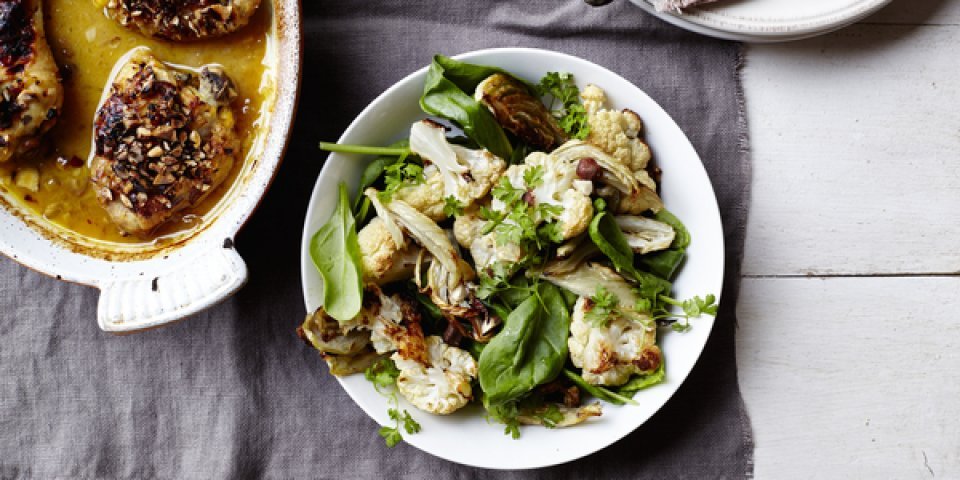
(768, 20)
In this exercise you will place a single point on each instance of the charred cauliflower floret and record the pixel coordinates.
(559, 186)
(519, 111)
(393, 322)
(611, 353)
(386, 323)
(467, 175)
(441, 384)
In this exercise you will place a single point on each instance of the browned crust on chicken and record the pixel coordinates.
(163, 140)
(30, 91)
(181, 20)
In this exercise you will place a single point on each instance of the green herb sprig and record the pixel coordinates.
(383, 375)
(565, 103)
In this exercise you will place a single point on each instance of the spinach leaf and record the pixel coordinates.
(446, 97)
(466, 76)
(640, 382)
(607, 236)
(598, 392)
(665, 263)
(336, 254)
(529, 351)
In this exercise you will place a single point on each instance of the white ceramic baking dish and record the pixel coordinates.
(143, 287)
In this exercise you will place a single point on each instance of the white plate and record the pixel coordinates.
(768, 20)
(687, 192)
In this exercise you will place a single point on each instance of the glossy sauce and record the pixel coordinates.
(87, 45)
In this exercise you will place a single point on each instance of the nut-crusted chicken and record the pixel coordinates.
(30, 91)
(182, 19)
(164, 139)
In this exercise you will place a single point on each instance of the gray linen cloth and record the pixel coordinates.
(232, 393)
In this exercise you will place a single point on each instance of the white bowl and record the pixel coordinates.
(465, 437)
(144, 287)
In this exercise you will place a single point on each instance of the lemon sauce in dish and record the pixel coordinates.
(54, 183)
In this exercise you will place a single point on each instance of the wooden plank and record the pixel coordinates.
(856, 150)
(852, 378)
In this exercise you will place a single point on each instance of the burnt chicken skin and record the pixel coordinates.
(30, 90)
(182, 20)
(164, 138)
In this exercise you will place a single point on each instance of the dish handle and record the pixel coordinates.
(129, 305)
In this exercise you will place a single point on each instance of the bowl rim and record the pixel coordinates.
(375, 105)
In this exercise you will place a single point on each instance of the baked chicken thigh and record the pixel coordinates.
(30, 90)
(164, 138)
(181, 20)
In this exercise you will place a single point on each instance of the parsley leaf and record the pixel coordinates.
(533, 176)
(506, 192)
(399, 175)
(570, 113)
(452, 206)
(692, 308)
(506, 414)
(391, 435)
(409, 424)
(604, 306)
(383, 373)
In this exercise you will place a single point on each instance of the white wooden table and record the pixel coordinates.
(850, 308)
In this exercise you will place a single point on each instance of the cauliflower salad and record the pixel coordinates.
(512, 251)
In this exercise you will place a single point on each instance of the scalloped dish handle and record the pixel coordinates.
(195, 283)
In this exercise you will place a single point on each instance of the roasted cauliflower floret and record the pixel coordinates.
(383, 262)
(559, 186)
(393, 322)
(467, 175)
(626, 191)
(427, 197)
(441, 384)
(593, 98)
(468, 229)
(386, 323)
(615, 132)
(610, 354)
(378, 250)
(645, 235)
